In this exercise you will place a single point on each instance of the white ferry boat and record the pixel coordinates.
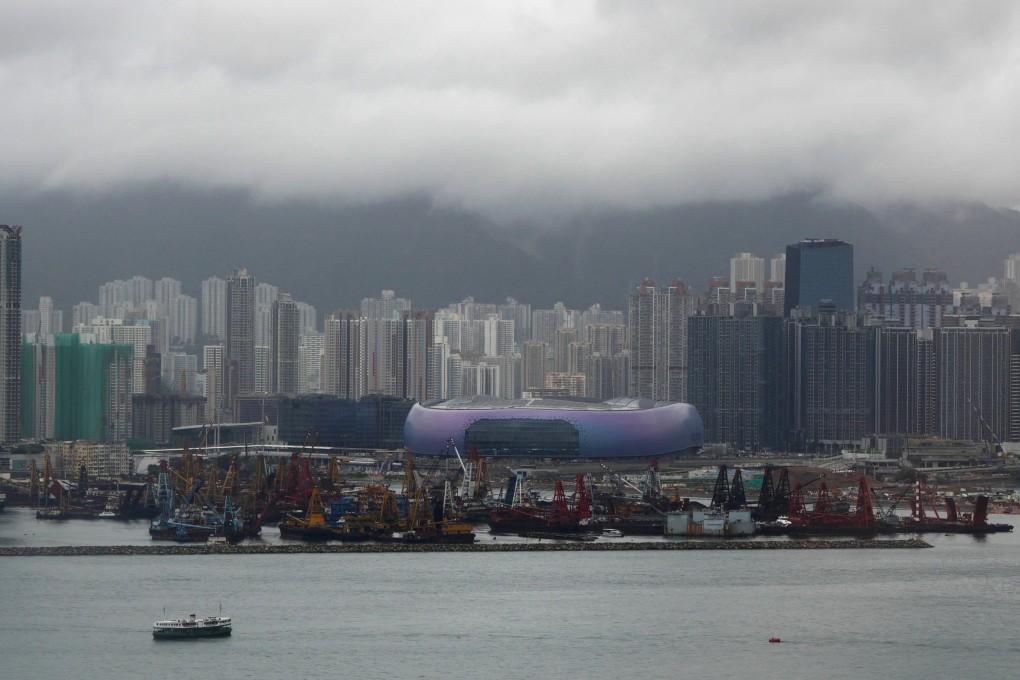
(192, 627)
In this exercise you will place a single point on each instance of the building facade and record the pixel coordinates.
(816, 270)
(10, 333)
(214, 308)
(658, 341)
(906, 301)
(240, 328)
(283, 352)
(78, 390)
(737, 379)
(831, 380)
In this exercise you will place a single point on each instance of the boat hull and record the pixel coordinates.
(309, 533)
(191, 633)
(189, 629)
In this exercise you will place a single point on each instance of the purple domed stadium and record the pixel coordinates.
(555, 428)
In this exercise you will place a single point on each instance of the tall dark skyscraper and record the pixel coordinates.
(284, 348)
(240, 328)
(10, 333)
(816, 270)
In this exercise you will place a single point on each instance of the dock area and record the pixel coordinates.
(478, 547)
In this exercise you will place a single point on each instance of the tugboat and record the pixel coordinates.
(191, 627)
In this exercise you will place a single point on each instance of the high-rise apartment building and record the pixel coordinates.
(830, 379)
(286, 322)
(906, 302)
(139, 336)
(533, 365)
(498, 336)
(378, 363)
(520, 314)
(608, 377)
(415, 340)
(747, 269)
(658, 341)
(481, 377)
(215, 381)
(140, 289)
(165, 291)
(578, 356)
(182, 318)
(562, 340)
(263, 370)
(240, 328)
(1011, 283)
(439, 370)
(1012, 268)
(214, 308)
(608, 339)
(387, 306)
(906, 390)
(309, 318)
(545, 323)
(384, 356)
(598, 316)
(343, 354)
(30, 322)
(973, 367)
(455, 329)
(83, 313)
(265, 295)
(10, 333)
(50, 320)
(777, 268)
(736, 379)
(816, 270)
(310, 361)
(178, 371)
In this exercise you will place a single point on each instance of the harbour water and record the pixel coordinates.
(935, 613)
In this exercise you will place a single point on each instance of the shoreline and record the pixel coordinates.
(342, 548)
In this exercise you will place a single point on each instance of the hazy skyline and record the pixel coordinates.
(528, 111)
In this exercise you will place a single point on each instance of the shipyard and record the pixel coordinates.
(254, 498)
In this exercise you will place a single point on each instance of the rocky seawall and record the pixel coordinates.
(533, 546)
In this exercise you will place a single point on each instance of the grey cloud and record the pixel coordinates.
(516, 110)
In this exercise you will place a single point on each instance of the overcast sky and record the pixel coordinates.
(520, 110)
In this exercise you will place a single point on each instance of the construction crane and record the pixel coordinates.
(997, 447)
(33, 482)
(47, 478)
(230, 484)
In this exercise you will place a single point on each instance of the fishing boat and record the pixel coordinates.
(191, 627)
(313, 526)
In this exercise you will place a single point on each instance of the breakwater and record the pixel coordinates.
(534, 546)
